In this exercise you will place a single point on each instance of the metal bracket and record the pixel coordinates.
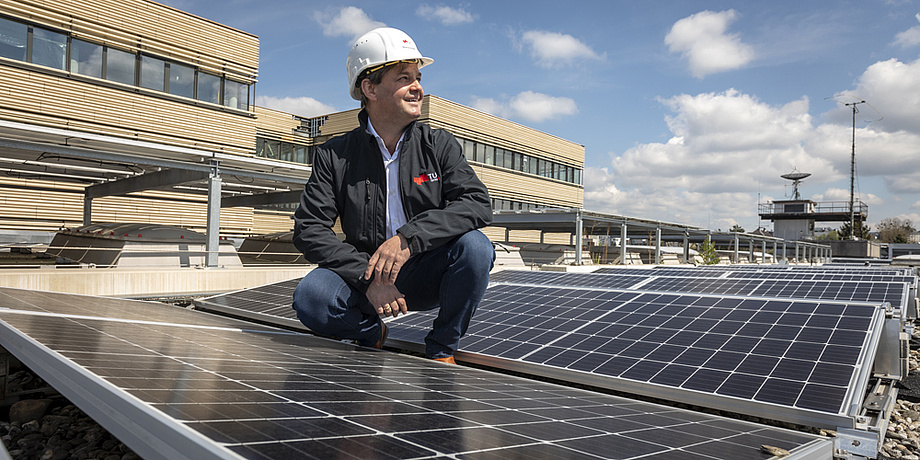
(862, 443)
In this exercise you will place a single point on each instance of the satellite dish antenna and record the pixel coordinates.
(796, 178)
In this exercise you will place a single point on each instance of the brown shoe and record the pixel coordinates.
(448, 360)
(384, 330)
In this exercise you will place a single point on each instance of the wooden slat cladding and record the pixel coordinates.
(276, 125)
(148, 26)
(61, 102)
(340, 123)
(472, 124)
(509, 185)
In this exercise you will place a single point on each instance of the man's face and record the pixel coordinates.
(399, 94)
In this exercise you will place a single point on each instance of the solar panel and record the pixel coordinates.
(547, 338)
(800, 361)
(883, 270)
(269, 303)
(212, 387)
(859, 291)
(761, 274)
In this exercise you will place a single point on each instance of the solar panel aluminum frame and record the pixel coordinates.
(149, 432)
(806, 417)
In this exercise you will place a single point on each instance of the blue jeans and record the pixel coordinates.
(453, 277)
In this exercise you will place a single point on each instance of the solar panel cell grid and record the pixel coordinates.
(268, 395)
(733, 347)
(894, 293)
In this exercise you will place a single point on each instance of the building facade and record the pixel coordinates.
(127, 110)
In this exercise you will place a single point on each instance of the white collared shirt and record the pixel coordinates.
(396, 216)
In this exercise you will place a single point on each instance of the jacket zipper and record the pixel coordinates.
(367, 205)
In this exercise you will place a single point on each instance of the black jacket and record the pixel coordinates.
(442, 198)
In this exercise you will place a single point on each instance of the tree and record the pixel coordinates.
(737, 229)
(895, 230)
(862, 231)
(708, 252)
(830, 236)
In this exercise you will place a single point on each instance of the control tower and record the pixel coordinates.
(795, 219)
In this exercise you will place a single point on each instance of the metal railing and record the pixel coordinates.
(816, 208)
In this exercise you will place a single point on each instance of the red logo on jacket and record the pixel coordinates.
(425, 177)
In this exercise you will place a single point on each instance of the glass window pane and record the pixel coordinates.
(236, 95)
(490, 156)
(85, 58)
(481, 154)
(469, 150)
(287, 151)
(260, 147)
(578, 176)
(524, 162)
(49, 48)
(300, 154)
(119, 66)
(508, 158)
(208, 88)
(273, 149)
(13, 36)
(153, 73)
(181, 80)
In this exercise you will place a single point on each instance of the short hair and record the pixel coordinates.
(376, 76)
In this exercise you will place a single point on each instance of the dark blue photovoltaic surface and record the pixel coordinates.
(265, 394)
(796, 353)
(894, 293)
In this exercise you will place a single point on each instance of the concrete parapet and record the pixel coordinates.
(147, 282)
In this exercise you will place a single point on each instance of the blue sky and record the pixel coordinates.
(689, 111)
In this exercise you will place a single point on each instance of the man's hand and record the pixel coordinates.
(386, 299)
(387, 260)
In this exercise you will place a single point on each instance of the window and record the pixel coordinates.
(153, 73)
(208, 88)
(119, 66)
(181, 80)
(236, 95)
(469, 150)
(577, 176)
(287, 151)
(13, 37)
(49, 48)
(491, 159)
(85, 58)
(302, 154)
(481, 154)
(268, 148)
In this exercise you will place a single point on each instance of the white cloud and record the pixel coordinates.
(553, 50)
(892, 90)
(349, 22)
(725, 149)
(702, 39)
(910, 37)
(528, 106)
(302, 106)
(444, 14)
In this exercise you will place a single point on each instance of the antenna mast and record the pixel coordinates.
(853, 105)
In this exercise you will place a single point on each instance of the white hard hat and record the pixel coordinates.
(378, 47)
